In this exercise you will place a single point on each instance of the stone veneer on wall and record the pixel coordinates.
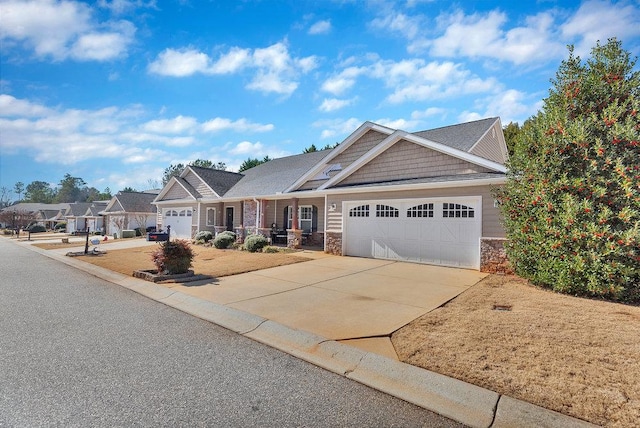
(493, 257)
(333, 243)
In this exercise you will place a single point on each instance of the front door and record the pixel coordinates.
(229, 221)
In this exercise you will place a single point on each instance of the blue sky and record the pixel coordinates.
(114, 91)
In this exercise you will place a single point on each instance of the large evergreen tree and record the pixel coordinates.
(572, 200)
(39, 191)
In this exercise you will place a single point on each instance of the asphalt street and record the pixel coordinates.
(76, 350)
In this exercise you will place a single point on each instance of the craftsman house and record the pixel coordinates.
(381, 193)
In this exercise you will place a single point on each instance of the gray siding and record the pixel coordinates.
(406, 160)
(176, 192)
(491, 219)
(491, 146)
(368, 141)
(202, 225)
(200, 186)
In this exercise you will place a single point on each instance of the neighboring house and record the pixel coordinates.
(381, 193)
(81, 215)
(129, 210)
(44, 214)
(74, 215)
(93, 218)
(49, 217)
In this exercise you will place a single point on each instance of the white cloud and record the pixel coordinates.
(320, 27)
(333, 104)
(343, 81)
(403, 124)
(13, 107)
(600, 20)
(248, 148)
(62, 30)
(337, 127)
(122, 6)
(510, 105)
(177, 125)
(103, 46)
(180, 63)
(275, 70)
(241, 125)
(482, 36)
(431, 111)
(232, 61)
(408, 26)
(414, 80)
(128, 135)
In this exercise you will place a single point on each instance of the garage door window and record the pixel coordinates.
(457, 211)
(360, 211)
(171, 213)
(424, 210)
(387, 211)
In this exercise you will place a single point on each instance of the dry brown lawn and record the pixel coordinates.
(208, 261)
(576, 356)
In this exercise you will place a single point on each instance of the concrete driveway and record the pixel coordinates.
(357, 300)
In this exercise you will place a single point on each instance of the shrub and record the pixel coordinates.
(36, 228)
(138, 231)
(203, 236)
(255, 242)
(270, 249)
(224, 239)
(61, 225)
(571, 205)
(173, 257)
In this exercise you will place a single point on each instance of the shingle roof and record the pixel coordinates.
(136, 202)
(220, 181)
(461, 136)
(78, 209)
(35, 206)
(276, 175)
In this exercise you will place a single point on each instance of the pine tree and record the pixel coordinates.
(571, 204)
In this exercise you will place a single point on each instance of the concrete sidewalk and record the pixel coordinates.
(281, 307)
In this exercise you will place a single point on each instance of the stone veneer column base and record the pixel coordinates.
(493, 257)
(240, 234)
(333, 243)
(294, 238)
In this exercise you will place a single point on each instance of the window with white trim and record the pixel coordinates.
(450, 210)
(387, 211)
(305, 217)
(211, 216)
(423, 210)
(360, 211)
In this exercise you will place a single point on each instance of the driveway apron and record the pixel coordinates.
(356, 300)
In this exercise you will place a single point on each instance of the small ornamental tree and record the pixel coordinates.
(571, 204)
(173, 257)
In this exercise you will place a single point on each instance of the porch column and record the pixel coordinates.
(294, 220)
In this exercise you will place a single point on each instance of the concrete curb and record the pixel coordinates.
(455, 399)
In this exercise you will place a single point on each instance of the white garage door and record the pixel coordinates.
(443, 231)
(180, 221)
